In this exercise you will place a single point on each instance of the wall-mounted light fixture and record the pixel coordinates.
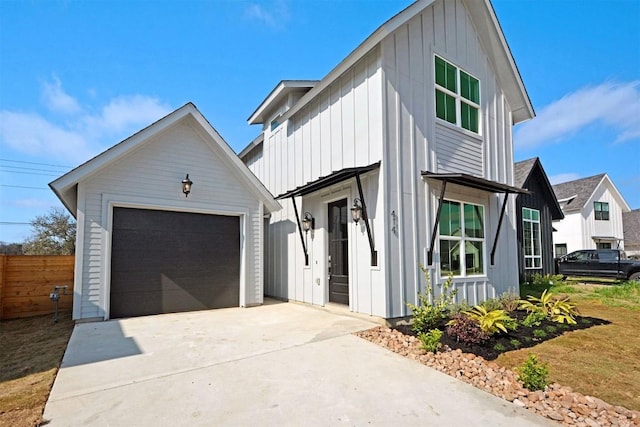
(356, 210)
(186, 186)
(308, 222)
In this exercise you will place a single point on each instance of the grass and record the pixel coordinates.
(601, 361)
(31, 353)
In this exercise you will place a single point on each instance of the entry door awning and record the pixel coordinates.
(329, 180)
(477, 183)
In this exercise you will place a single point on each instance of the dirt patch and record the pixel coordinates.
(31, 353)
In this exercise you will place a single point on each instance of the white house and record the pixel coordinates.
(413, 132)
(168, 220)
(593, 209)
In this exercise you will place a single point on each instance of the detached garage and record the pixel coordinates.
(169, 220)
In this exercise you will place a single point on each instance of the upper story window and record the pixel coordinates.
(601, 210)
(531, 238)
(461, 239)
(275, 123)
(457, 96)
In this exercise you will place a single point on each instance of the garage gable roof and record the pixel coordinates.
(65, 187)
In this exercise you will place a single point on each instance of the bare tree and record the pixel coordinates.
(53, 234)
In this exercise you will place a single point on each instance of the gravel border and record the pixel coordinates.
(556, 402)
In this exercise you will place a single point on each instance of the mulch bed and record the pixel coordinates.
(522, 337)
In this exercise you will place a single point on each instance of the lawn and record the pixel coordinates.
(601, 361)
(30, 355)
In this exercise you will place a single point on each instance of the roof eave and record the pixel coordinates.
(257, 117)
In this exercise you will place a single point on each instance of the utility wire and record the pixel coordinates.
(31, 173)
(29, 169)
(24, 186)
(14, 223)
(34, 163)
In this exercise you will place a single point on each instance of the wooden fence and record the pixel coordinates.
(26, 282)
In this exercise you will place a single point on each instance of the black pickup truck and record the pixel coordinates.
(599, 263)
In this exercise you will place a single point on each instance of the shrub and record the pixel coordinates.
(491, 304)
(515, 343)
(533, 374)
(557, 310)
(499, 347)
(551, 329)
(431, 340)
(493, 321)
(539, 333)
(458, 308)
(546, 280)
(509, 301)
(465, 330)
(534, 318)
(430, 312)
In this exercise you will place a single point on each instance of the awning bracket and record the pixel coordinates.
(304, 245)
(365, 217)
(436, 223)
(495, 241)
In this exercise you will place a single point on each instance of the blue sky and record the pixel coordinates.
(77, 77)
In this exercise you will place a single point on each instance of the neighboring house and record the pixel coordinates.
(535, 212)
(593, 209)
(412, 132)
(145, 244)
(631, 225)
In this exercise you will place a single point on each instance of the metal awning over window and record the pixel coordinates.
(327, 181)
(477, 183)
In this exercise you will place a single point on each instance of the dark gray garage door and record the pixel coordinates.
(167, 262)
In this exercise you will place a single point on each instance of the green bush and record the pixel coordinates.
(431, 340)
(555, 309)
(533, 374)
(551, 329)
(534, 318)
(491, 304)
(515, 343)
(430, 312)
(546, 280)
(499, 347)
(492, 321)
(539, 333)
(509, 301)
(457, 308)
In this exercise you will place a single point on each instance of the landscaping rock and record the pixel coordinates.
(557, 402)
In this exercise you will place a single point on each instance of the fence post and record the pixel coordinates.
(3, 275)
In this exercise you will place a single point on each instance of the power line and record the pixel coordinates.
(24, 186)
(29, 169)
(31, 173)
(14, 223)
(34, 163)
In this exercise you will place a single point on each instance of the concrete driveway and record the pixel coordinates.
(277, 364)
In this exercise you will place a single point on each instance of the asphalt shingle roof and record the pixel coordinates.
(522, 170)
(581, 188)
(631, 226)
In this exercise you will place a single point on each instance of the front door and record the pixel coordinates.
(338, 253)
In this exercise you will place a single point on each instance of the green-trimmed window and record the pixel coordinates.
(461, 239)
(457, 96)
(601, 210)
(531, 238)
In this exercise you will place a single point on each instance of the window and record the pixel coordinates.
(531, 238)
(461, 239)
(275, 123)
(601, 210)
(561, 250)
(457, 96)
(603, 245)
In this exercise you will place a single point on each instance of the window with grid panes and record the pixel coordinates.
(531, 238)
(461, 239)
(601, 210)
(457, 96)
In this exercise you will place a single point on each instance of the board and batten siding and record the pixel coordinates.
(150, 178)
(416, 141)
(340, 128)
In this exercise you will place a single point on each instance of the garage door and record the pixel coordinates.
(167, 262)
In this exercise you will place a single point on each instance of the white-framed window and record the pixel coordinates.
(462, 243)
(531, 238)
(457, 96)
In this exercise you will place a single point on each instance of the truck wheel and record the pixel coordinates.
(635, 277)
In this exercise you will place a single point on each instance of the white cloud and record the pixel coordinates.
(58, 100)
(563, 177)
(273, 15)
(614, 105)
(80, 136)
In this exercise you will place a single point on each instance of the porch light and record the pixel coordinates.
(356, 210)
(186, 186)
(308, 222)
